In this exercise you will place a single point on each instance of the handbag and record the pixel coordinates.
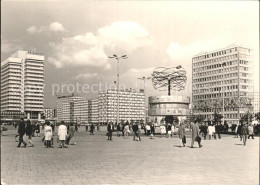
(198, 139)
(184, 139)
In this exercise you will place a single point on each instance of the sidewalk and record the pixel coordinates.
(94, 160)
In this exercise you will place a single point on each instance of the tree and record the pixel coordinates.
(217, 117)
(257, 116)
(246, 117)
(199, 118)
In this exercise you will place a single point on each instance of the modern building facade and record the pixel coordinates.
(93, 111)
(22, 84)
(256, 102)
(67, 107)
(131, 105)
(222, 82)
(49, 113)
(81, 111)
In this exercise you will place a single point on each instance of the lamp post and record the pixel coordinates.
(223, 98)
(118, 58)
(145, 78)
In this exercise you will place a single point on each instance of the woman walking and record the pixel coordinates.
(181, 133)
(62, 134)
(48, 135)
(127, 130)
(29, 132)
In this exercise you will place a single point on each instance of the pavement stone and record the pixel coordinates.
(94, 160)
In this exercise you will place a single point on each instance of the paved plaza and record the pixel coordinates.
(94, 160)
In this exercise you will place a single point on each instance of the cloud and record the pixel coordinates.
(56, 26)
(87, 75)
(53, 27)
(9, 46)
(91, 49)
(179, 52)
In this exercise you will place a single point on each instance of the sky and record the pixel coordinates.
(77, 37)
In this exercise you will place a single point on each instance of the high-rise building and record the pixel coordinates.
(131, 105)
(224, 75)
(93, 111)
(22, 83)
(81, 111)
(67, 107)
(256, 102)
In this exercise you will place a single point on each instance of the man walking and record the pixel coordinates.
(62, 134)
(135, 130)
(109, 131)
(195, 134)
(244, 133)
(21, 131)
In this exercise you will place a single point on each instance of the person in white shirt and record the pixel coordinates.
(62, 134)
(210, 130)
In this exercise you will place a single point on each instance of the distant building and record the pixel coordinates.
(225, 72)
(256, 102)
(66, 107)
(49, 113)
(81, 108)
(93, 111)
(131, 105)
(22, 82)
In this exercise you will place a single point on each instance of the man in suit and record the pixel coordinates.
(21, 131)
(135, 130)
(195, 134)
(109, 131)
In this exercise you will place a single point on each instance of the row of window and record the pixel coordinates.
(215, 54)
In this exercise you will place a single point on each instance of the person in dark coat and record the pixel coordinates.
(21, 131)
(135, 131)
(152, 129)
(92, 129)
(204, 130)
(109, 131)
(218, 130)
(29, 132)
(195, 134)
(244, 132)
(38, 130)
(118, 128)
(181, 133)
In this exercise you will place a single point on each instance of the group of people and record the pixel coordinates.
(244, 131)
(65, 134)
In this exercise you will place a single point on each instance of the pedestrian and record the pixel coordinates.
(210, 131)
(76, 127)
(204, 130)
(139, 131)
(21, 131)
(118, 128)
(92, 129)
(38, 129)
(33, 129)
(181, 133)
(218, 130)
(169, 130)
(152, 129)
(135, 130)
(98, 127)
(127, 130)
(148, 129)
(29, 132)
(62, 134)
(195, 134)
(109, 131)
(244, 133)
(172, 130)
(123, 129)
(239, 131)
(86, 127)
(251, 131)
(48, 134)
(163, 130)
(71, 133)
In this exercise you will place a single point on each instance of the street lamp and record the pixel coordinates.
(118, 58)
(144, 78)
(223, 98)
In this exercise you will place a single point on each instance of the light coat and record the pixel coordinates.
(48, 133)
(194, 131)
(62, 132)
(181, 131)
